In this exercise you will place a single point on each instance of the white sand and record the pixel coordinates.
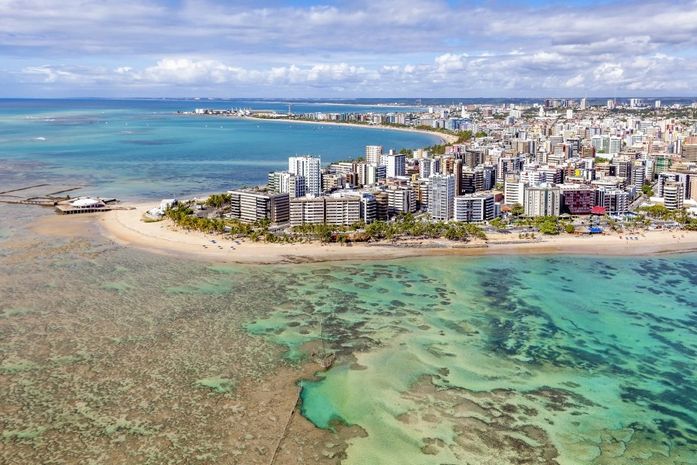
(446, 138)
(126, 227)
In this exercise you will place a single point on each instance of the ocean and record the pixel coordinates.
(142, 149)
(113, 355)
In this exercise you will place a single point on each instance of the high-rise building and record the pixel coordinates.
(577, 199)
(396, 165)
(425, 168)
(689, 149)
(342, 210)
(615, 146)
(400, 200)
(310, 169)
(251, 206)
(306, 210)
(543, 200)
(440, 196)
(473, 208)
(508, 165)
(673, 195)
(513, 190)
(368, 207)
(373, 154)
(614, 200)
(367, 174)
(282, 182)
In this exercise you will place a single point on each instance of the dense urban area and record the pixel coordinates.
(560, 166)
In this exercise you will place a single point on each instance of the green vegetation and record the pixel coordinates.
(218, 200)
(601, 159)
(647, 190)
(549, 225)
(408, 226)
(404, 226)
(439, 149)
(517, 210)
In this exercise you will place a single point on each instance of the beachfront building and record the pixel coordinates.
(513, 190)
(441, 194)
(310, 169)
(673, 195)
(341, 209)
(256, 205)
(577, 199)
(613, 199)
(306, 210)
(400, 200)
(473, 208)
(368, 207)
(543, 200)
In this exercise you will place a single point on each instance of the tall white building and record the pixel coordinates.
(513, 190)
(396, 165)
(401, 200)
(615, 145)
(309, 168)
(373, 154)
(441, 196)
(673, 195)
(542, 201)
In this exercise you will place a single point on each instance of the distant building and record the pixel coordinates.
(282, 182)
(373, 154)
(689, 149)
(310, 169)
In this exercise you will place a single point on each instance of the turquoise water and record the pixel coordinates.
(456, 360)
(143, 149)
(498, 360)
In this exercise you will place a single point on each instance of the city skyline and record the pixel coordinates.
(337, 50)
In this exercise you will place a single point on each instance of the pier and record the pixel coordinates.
(57, 198)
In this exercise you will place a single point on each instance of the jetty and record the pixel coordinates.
(57, 197)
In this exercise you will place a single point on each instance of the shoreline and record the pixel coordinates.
(445, 138)
(126, 228)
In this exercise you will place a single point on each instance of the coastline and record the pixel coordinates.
(126, 228)
(445, 138)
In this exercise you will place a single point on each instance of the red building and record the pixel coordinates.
(578, 201)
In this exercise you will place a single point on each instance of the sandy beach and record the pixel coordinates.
(127, 228)
(446, 138)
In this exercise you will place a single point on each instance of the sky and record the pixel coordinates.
(351, 49)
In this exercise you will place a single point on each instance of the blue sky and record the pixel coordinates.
(360, 48)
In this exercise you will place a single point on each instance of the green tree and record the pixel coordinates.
(517, 210)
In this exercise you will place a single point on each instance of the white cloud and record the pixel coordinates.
(402, 46)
